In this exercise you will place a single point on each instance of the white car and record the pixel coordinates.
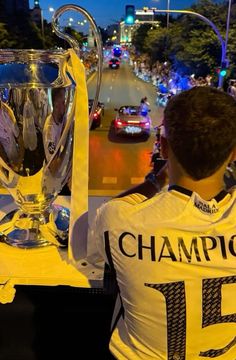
(130, 121)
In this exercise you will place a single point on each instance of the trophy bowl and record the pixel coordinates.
(38, 97)
(36, 140)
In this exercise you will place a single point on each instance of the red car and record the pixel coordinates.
(98, 113)
(130, 121)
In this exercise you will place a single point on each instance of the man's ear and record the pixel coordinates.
(164, 147)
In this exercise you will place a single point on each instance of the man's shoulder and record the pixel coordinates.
(118, 208)
(131, 199)
(125, 202)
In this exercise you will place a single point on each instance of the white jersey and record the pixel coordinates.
(174, 257)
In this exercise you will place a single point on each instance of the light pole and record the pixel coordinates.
(224, 60)
(168, 14)
(42, 26)
(227, 25)
(51, 10)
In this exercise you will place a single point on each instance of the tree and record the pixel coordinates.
(6, 40)
(15, 33)
(104, 35)
(140, 35)
(157, 44)
(190, 43)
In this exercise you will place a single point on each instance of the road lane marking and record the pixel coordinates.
(109, 180)
(136, 180)
(108, 99)
(91, 77)
(111, 87)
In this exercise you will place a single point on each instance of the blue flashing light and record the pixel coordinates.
(223, 72)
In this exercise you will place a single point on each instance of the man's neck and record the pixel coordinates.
(207, 188)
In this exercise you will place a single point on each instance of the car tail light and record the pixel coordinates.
(95, 115)
(144, 123)
(119, 122)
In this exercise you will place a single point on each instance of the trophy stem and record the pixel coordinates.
(27, 230)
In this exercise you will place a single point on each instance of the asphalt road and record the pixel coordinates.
(118, 163)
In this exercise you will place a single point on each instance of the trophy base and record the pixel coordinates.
(29, 232)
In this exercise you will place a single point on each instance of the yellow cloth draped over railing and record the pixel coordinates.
(79, 190)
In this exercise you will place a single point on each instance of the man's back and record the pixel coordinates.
(174, 258)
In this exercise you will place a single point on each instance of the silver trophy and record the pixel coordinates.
(37, 117)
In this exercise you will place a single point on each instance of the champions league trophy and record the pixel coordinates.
(37, 121)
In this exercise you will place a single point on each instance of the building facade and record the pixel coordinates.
(142, 16)
(10, 8)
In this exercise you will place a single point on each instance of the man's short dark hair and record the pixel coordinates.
(200, 126)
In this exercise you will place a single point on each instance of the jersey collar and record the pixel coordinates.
(187, 192)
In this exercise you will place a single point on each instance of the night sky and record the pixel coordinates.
(108, 12)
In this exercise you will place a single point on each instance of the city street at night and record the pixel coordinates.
(119, 162)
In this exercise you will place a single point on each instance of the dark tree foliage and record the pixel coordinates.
(190, 43)
(104, 35)
(140, 35)
(20, 32)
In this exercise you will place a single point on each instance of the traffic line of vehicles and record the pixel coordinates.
(98, 113)
(129, 120)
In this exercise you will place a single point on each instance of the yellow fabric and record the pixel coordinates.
(79, 198)
(7, 292)
(43, 266)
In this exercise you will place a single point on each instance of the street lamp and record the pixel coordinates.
(224, 61)
(227, 25)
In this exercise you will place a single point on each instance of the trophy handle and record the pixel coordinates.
(75, 45)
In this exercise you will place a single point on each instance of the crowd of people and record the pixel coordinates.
(232, 89)
(169, 82)
(165, 79)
